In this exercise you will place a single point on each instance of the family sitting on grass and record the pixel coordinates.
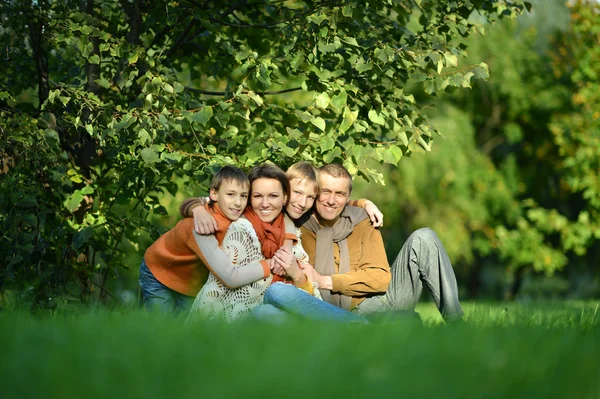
(276, 256)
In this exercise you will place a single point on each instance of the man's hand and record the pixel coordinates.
(204, 223)
(323, 281)
(374, 214)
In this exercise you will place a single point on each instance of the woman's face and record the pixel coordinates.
(267, 198)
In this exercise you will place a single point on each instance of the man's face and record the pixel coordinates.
(232, 198)
(335, 192)
(303, 195)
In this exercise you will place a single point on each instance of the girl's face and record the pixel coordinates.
(267, 198)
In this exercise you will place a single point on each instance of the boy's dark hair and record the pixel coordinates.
(228, 173)
(270, 171)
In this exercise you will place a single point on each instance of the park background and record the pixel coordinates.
(481, 117)
(500, 159)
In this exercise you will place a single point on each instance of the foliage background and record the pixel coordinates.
(111, 112)
(512, 188)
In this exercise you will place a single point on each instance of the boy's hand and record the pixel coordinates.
(204, 222)
(374, 214)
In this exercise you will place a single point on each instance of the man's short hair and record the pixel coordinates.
(231, 174)
(336, 170)
(270, 171)
(304, 171)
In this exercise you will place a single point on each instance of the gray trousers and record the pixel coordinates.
(422, 261)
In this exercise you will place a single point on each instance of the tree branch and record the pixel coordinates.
(222, 93)
(181, 38)
(36, 29)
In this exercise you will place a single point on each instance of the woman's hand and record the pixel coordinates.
(374, 213)
(286, 259)
(276, 268)
(204, 223)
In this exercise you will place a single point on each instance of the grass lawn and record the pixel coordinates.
(537, 350)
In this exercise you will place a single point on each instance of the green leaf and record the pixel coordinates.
(72, 203)
(381, 55)
(348, 119)
(257, 99)
(306, 116)
(350, 166)
(94, 59)
(28, 202)
(102, 82)
(168, 88)
(133, 58)
(293, 133)
(30, 219)
(332, 155)
(178, 87)
(322, 100)
(87, 190)
(482, 71)
(392, 155)
(347, 10)
(376, 118)
(318, 18)
(150, 156)
(327, 143)
(204, 115)
(318, 122)
(144, 137)
(172, 156)
(351, 41)
(362, 66)
(451, 59)
(338, 101)
(297, 60)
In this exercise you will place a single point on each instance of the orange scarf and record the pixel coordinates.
(222, 222)
(271, 235)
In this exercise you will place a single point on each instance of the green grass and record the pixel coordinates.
(543, 350)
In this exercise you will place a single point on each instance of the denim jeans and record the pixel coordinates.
(281, 299)
(157, 296)
(422, 261)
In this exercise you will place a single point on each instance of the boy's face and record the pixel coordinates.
(303, 195)
(232, 198)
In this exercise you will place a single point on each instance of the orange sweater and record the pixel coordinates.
(175, 259)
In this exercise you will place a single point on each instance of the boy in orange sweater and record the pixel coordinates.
(174, 269)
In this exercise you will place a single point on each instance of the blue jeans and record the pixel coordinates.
(157, 296)
(281, 299)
